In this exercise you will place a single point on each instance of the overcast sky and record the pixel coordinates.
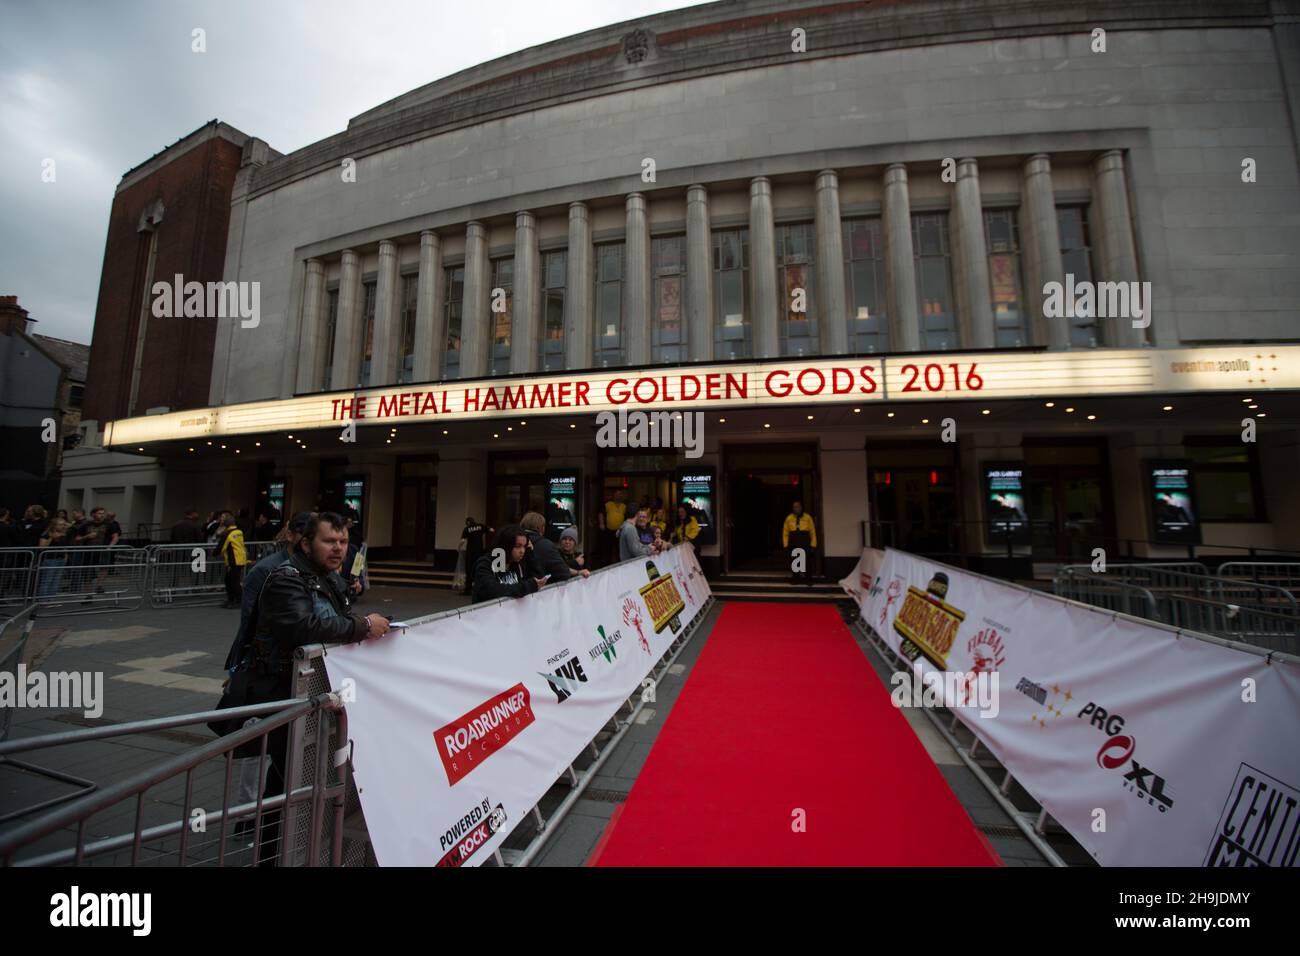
(99, 86)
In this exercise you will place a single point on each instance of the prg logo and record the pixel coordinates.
(1118, 750)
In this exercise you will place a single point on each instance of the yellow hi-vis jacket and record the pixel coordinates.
(686, 532)
(232, 548)
(804, 523)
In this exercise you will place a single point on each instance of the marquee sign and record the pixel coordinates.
(772, 383)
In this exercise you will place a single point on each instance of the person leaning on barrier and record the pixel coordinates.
(629, 537)
(287, 540)
(544, 559)
(513, 579)
(304, 601)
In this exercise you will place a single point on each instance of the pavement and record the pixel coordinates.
(166, 662)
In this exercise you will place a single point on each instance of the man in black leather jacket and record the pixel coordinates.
(304, 601)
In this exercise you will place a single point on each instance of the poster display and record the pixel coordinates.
(1005, 509)
(697, 490)
(562, 499)
(354, 500)
(460, 725)
(1173, 506)
(1150, 749)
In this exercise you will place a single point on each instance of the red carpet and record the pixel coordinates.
(783, 711)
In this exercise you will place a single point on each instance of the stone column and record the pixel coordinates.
(971, 261)
(430, 317)
(313, 338)
(900, 267)
(346, 363)
(766, 309)
(1114, 237)
(525, 321)
(1042, 250)
(699, 275)
(832, 298)
(579, 289)
(387, 340)
(637, 286)
(475, 324)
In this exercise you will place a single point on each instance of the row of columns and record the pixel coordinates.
(1112, 235)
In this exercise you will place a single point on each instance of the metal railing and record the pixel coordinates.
(320, 818)
(14, 633)
(1113, 594)
(1186, 597)
(77, 580)
(173, 806)
(17, 566)
(1280, 574)
(187, 574)
(962, 543)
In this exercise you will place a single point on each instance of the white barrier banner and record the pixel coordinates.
(461, 724)
(858, 581)
(1148, 748)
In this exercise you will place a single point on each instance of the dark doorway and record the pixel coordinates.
(761, 484)
(416, 513)
(516, 485)
(1069, 499)
(915, 509)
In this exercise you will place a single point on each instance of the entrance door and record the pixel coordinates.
(1068, 513)
(1069, 499)
(416, 515)
(511, 500)
(761, 484)
(916, 509)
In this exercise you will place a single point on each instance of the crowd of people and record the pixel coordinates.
(61, 569)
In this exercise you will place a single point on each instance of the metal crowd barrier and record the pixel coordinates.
(76, 580)
(80, 579)
(1035, 824)
(17, 566)
(175, 582)
(1110, 593)
(185, 810)
(1280, 574)
(1237, 610)
(151, 813)
(14, 633)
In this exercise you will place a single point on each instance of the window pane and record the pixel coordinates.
(668, 267)
(795, 286)
(732, 329)
(1076, 256)
(331, 326)
(934, 281)
(864, 285)
(607, 323)
(502, 312)
(455, 294)
(406, 364)
(368, 333)
(1225, 496)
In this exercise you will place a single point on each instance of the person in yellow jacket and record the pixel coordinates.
(799, 531)
(687, 528)
(231, 549)
(615, 514)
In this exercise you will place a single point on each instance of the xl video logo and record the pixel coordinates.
(1118, 751)
(564, 680)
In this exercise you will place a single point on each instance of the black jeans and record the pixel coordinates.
(234, 584)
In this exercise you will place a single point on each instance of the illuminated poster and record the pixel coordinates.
(561, 501)
(1004, 502)
(1173, 505)
(697, 490)
(273, 500)
(354, 500)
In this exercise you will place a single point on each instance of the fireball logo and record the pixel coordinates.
(686, 587)
(632, 617)
(987, 656)
(892, 594)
